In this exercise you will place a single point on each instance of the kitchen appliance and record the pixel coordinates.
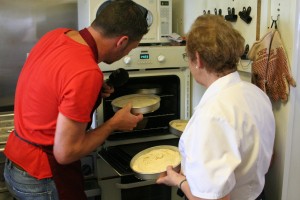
(159, 18)
(155, 69)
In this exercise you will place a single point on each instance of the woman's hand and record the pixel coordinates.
(172, 178)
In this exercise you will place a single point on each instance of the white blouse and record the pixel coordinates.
(227, 145)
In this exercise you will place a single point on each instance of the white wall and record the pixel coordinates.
(286, 162)
(292, 162)
(284, 11)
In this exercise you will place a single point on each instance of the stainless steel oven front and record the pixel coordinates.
(158, 69)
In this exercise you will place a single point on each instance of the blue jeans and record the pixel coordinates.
(25, 187)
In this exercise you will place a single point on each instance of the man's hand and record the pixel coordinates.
(106, 90)
(124, 120)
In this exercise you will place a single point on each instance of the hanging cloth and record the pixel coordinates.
(259, 54)
(270, 66)
(279, 76)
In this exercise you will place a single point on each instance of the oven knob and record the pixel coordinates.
(161, 58)
(127, 60)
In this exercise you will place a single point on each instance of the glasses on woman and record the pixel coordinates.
(185, 57)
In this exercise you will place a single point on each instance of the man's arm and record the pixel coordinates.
(72, 142)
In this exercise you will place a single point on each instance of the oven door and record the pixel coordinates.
(89, 170)
(173, 85)
(118, 189)
(117, 180)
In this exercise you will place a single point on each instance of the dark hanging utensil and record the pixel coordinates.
(245, 54)
(231, 17)
(245, 15)
(220, 11)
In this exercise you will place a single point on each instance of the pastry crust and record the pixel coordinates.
(179, 124)
(156, 161)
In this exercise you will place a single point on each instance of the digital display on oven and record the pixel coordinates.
(144, 56)
(164, 3)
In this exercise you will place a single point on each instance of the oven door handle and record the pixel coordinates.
(135, 185)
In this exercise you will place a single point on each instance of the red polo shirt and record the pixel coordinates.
(60, 75)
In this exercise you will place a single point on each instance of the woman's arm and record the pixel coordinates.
(173, 178)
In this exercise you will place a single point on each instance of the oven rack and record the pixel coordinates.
(118, 159)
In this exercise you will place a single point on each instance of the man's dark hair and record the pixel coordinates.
(121, 17)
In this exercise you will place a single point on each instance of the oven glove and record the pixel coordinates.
(259, 54)
(279, 76)
(270, 68)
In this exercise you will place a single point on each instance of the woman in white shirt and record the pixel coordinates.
(227, 145)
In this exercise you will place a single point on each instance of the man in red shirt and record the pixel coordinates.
(55, 96)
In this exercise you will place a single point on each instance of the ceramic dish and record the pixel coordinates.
(152, 162)
(141, 103)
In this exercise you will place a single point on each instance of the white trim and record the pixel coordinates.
(290, 190)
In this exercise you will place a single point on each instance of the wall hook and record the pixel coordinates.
(276, 18)
(274, 22)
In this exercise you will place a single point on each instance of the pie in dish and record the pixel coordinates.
(141, 103)
(156, 159)
(179, 124)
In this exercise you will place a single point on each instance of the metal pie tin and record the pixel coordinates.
(149, 91)
(154, 176)
(141, 103)
(177, 126)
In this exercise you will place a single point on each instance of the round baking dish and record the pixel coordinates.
(155, 174)
(177, 126)
(156, 90)
(141, 103)
(145, 89)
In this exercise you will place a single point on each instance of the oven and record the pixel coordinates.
(159, 70)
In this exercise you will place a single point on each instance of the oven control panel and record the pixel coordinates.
(149, 57)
